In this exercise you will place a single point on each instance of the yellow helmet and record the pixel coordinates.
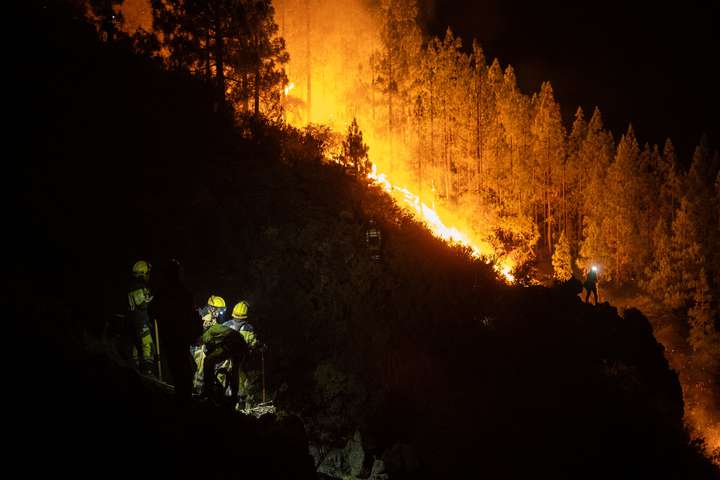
(215, 301)
(241, 310)
(141, 268)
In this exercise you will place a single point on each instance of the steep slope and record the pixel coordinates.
(424, 352)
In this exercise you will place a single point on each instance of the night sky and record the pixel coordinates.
(650, 64)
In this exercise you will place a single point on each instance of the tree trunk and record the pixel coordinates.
(257, 90)
(208, 69)
(390, 109)
(420, 155)
(478, 148)
(308, 62)
(245, 93)
(219, 63)
(617, 255)
(432, 141)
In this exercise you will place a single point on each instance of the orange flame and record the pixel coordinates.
(433, 221)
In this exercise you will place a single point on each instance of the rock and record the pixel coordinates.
(343, 463)
(355, 454)
(378, 471)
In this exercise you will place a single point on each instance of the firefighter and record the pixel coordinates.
(373, 237)
(211, 314)
(240, 324)
(138, 318)
(225, 346)
(591, 284)
(179, 328)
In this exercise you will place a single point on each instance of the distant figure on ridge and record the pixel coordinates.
(591, 284)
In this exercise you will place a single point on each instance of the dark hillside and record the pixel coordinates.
(426, 353)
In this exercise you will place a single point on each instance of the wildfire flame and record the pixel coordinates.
(433, 221)
(289, 88)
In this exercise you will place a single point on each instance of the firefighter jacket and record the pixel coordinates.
(373, 237)
(139, 296)
(244, 329)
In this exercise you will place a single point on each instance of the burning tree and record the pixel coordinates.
(355, 151)
(394, 63)
(233, 44)
(562, 260)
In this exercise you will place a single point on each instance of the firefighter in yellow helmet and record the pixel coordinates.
(138, 318)
(212, 314)
(239, 322)
(226, 347)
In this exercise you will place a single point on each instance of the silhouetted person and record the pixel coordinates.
(178, 327)
(138, 317)
(591, 285)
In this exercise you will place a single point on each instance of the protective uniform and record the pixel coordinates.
(211, 314)
(226, 347)
(373, 237)
(238, 323)
(138, 318)
(223, 343)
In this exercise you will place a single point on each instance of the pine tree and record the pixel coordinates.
(645, 208)
(233, 44)
(479, 112)
(355, 150)
(669, 178)
(704, 337)
(451, 67)
(574, 180)
(548, 145)
(400, 39)
(662, 275)
(687, 252)
(699, 186)
(267, 55)
(595, 155)
(562, 260)
(620, 222)
(594, 249)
